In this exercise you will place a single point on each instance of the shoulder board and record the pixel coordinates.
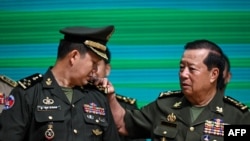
(8, 81)
(236, 103)
(126, 99)
(30, 81)
(170, 93)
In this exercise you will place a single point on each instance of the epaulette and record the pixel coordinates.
(30, 81)
(126, 99)
(9, 81)
(236, 103)
(170, 93)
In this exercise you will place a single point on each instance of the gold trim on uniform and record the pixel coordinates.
(95, 45)
(236, 103)
(30, 80)
(126, 99)
(9, 81)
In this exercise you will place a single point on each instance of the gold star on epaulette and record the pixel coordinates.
(9, 81)
(30, 80)
(236, 103)
(169, 93)
(126, 99)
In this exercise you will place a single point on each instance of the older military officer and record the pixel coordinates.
(197, 112)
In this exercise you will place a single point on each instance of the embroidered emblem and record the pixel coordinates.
(48, 101)
(171, 117)
(9, 102)
(92, 108)
(97, 132)
(219, 109)
(48, 81)
(214, 127)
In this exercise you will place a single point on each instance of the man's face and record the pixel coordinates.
(194, 75)
(84, 66)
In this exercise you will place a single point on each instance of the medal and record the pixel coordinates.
(49, 133)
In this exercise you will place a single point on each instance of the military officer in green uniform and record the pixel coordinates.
(197, 112)
(104, 69)
(61, 105)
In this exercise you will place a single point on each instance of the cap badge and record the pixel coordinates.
(48, 101)
(171, 117)
(92, 108)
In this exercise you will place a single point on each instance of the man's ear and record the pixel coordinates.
(214, 74)
(108, 69)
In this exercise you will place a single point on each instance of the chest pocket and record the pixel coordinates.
(49, 113)
(166, 130)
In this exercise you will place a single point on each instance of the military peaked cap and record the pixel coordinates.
(94, 38)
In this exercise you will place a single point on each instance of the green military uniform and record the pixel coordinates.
(43, 112)
(127, 103)
(6, 85)
(169, 118)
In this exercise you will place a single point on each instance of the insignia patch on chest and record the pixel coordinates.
(92, 108)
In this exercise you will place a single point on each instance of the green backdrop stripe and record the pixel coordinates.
(152, 26)
(116, 63)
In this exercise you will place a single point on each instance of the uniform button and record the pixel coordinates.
(75, 131)
(97, 121)
(50, 117)
(73, 105)
(191, 128)
(165, 132)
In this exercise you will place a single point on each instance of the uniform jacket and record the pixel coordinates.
(127, 103)
(168, 118)
(41, 111)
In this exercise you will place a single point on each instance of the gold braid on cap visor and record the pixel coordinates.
(95, 45)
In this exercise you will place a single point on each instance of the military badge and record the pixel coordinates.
(97, 132)
(9, 102)
(92, 108)
(214, 127)
(171, 117)
(49, 133)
